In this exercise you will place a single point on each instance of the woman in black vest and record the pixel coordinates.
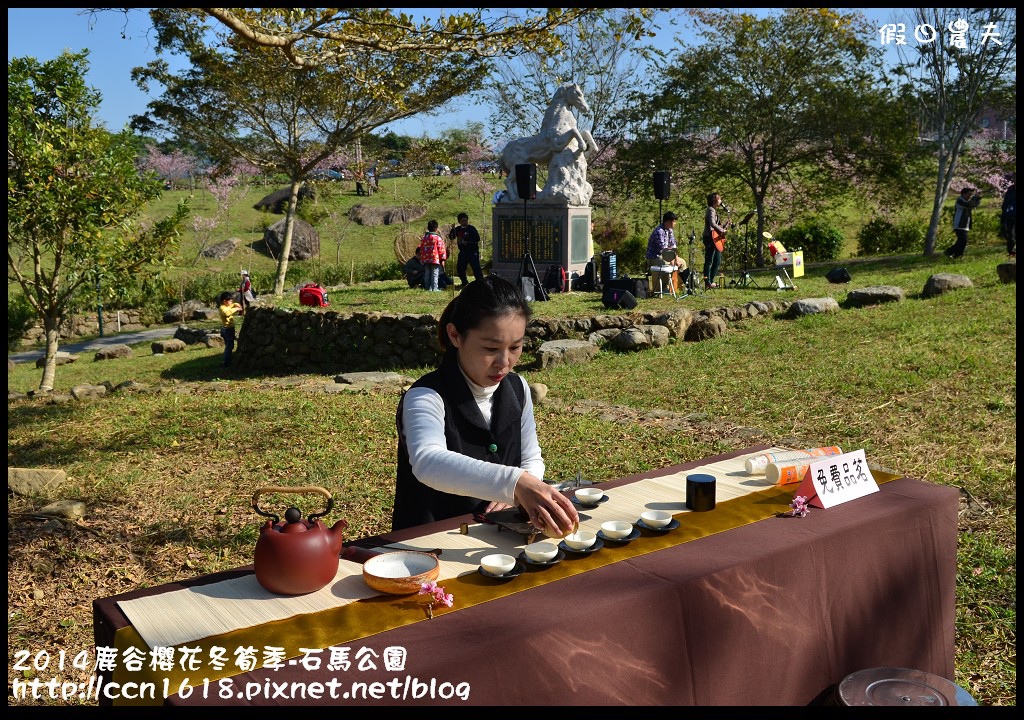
(467, 439)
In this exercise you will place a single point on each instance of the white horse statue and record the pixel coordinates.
(562, 145)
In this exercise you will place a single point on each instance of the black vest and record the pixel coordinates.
(466, 433)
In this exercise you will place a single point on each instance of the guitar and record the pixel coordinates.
(718, 238)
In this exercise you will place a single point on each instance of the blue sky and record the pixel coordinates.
(43, 33)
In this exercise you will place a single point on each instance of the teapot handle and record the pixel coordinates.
(297, 490)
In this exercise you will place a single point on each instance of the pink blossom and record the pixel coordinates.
(437, 595)
(800, 507)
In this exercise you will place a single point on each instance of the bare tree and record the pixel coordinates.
(964, 60)
(603, 54)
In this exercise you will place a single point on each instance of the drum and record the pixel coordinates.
(679, 276)
(677, 273)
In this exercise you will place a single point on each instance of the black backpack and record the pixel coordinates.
(554, 278)
(838, 275)
(587, 282)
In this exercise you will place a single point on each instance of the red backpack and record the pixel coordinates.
(312, 294)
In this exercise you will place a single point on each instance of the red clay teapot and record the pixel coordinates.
(297, 556)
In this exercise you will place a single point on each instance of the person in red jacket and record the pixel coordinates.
(433, 254)
(245, 293)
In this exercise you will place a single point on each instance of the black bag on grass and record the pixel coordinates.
(838, 275)
(554, 278)
(587, 282)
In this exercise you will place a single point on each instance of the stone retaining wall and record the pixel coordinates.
(283, 340)
(280, 340)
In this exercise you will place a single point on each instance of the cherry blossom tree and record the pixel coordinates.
(171, 166)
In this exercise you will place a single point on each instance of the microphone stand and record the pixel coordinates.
(692, 286)
(747, 277)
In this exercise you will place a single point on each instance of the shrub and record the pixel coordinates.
(312, 211)
(985, 226)
(387, 270)
(632, 256)
(882, 237)
(20, 317)
(610, 233)
(819, 239)
(362, 272)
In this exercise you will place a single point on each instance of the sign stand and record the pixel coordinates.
(836, 479)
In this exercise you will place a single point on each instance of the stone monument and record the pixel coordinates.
(554, 227)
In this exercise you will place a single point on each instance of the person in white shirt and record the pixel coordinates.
(467, 438)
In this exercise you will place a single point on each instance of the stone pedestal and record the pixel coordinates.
(550, 233)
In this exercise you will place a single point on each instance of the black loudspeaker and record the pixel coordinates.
(616, 298)
(526, 181)
(637, 286)
(662, 184)
(609, 266)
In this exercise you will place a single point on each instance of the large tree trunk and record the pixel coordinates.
(52, 332)
(947, 168)
(286, 244)
(759, 206)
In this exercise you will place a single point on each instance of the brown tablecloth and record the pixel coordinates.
(771, 613)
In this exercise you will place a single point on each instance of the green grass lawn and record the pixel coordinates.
(343, 242)
(924, 386)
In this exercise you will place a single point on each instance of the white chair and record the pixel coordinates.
(667, 268)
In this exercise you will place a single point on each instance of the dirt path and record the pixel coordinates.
(125, 338)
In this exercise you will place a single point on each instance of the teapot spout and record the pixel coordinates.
(337, 534)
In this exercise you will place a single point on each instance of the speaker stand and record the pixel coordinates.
(538, 287)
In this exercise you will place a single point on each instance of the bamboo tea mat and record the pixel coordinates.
(193, 613)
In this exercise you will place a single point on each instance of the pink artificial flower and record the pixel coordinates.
(437, 595)
(800, 507)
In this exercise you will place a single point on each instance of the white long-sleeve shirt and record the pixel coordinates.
(451, 472)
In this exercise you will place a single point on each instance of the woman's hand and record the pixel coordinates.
(495, 507)
(545, 506)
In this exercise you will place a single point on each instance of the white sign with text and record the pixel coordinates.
(836, 479)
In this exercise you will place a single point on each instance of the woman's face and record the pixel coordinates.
(488, 352)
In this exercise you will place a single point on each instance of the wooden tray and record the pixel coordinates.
(515, 520)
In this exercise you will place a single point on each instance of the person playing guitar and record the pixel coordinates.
(714, 239)
(718, 238)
